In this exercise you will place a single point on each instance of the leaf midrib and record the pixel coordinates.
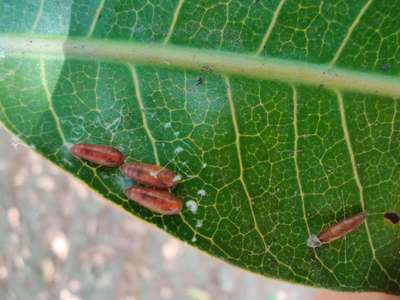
(216, 61)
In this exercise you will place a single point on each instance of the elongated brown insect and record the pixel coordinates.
(98, 154)
(336, 231)
(150, 175)
(161, 202)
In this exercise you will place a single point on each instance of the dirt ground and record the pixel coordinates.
(59, 241)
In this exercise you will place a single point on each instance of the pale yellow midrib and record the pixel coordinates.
(227, 63)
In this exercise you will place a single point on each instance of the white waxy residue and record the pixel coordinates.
(201, 193)
(178, 150)
(192, 206)
(313, 241)
(199, 223)
(123, 182)
(177, 178)
(68, 146)
(167, 125)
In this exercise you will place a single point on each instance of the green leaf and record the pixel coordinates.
(281, 116)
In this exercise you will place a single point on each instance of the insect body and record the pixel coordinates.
(161, 202)
(98, 154)
(336, 231)
(150, 175)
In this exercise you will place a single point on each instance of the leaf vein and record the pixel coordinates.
(95, 18)
(239, 156)
(296, 163)
(139, 99)
(174, 20)
(49, 99)
(360, 188)
(349, 33)
(38, 16)
(270, 27)
(243, 183)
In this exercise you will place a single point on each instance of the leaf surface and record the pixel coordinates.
(282, 117)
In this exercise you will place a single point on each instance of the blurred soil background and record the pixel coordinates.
(58, 240)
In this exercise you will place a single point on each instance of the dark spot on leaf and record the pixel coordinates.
(385, 67)
(392, 217)
(199, 81)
